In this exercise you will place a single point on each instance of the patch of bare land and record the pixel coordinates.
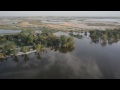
(24, 24)
(59, 23)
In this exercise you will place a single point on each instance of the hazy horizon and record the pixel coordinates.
(61, 13)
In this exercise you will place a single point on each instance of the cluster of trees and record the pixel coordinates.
(2, 39)
(7, 50)
(24, 49)
(66, 42)
(110, 36)
(38, 41)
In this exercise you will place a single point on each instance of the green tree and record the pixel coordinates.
(8, 49)
(67, 42)
(63, 38)
(1, 55)
(35, 38)
(105, 37)
(3, 39)
(22, 34)
(38, 47)
(15, 52)
(24, 49)
(70, 39)
(30, 39)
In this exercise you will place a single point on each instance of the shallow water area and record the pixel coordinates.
(87, 60)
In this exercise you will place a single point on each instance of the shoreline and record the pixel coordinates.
(20, 53)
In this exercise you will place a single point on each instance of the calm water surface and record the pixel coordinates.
(86, 60)
(2, 31)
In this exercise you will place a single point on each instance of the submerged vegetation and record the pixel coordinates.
(104, 37)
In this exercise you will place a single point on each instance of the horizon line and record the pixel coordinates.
(57, 16)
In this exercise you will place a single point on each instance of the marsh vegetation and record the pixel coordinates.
(106, 36)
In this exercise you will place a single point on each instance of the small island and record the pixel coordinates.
(25, 43)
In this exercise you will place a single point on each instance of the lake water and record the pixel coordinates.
(86, 61)
(2, 31)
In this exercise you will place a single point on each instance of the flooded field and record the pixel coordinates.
(93, 51)
(87, 60)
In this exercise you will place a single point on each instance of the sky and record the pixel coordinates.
(61, 13)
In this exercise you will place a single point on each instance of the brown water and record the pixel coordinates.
(86, 60)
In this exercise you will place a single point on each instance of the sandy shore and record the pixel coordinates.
(21, 53)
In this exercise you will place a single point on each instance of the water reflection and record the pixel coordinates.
(38, 56)
(86, 33)
(1, 59)
(61, 49)
(65, 50)
(105, 37)
(26, 58)
(15, 59)
(84, 61)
